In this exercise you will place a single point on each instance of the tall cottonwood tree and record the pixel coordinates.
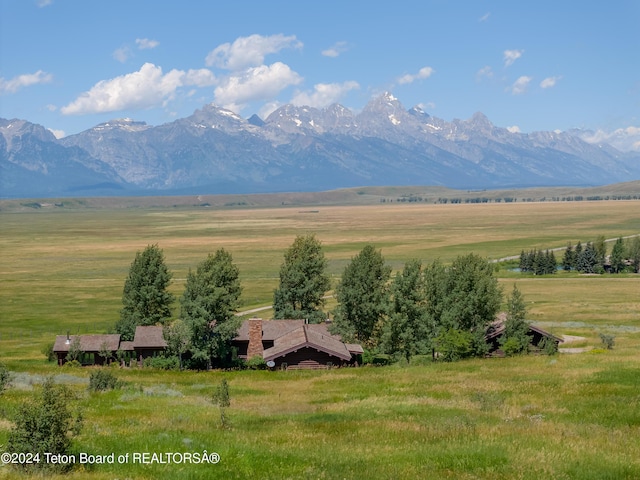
(363, 295)
(515, 338)
(208, 304)
(303, 281)
(145, 298)
(407, 330)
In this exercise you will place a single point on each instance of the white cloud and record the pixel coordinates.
(324, 94)
(520, 85)
(336, 49)
(25, 80)
(200, 78)
(424, 72)
(249, 51)
(268, 108)
(57, 133)
(625, 139)
(148, 87)
(550, 82)
(511, 56)
(122, 54)
(44, 3)
(146, 44)
(259, 83)
(485, 17)
(484, 72)
(514, 129)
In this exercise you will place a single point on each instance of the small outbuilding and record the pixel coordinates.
(496, 330)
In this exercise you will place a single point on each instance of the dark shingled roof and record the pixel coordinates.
(88, 343)
(497, 327)
(149, 337)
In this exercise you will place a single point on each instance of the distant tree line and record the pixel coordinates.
(588, 258)
(413, 198)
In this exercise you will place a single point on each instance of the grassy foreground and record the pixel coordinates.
(569, 416)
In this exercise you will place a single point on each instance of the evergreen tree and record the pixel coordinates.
(576, 254)
(617, 256)
(146, 299)
(587, 260)
(600, 248)
(568, 259)
(362, 295)
(303, 281)
(515, 338)
(210, 299)
(407, 330)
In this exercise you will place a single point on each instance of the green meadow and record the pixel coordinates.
(563, 417)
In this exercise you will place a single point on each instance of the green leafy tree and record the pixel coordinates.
(208, 305)
(473, 295)
(178, 337)
(407, 330)
(617, 256)
(146, 299)
(516, 327)
(303, 281)
(363, 296)
(45, 425)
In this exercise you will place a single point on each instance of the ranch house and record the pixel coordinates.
(294, 344)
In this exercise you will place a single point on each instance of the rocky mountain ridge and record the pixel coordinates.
(298, 148)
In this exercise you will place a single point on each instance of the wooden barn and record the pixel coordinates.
(294, 344)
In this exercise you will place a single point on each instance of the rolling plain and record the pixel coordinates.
(566, 416)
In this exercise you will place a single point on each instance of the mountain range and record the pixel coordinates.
(298, 149)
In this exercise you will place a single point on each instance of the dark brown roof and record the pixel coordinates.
(271, 329)
(497, 327)
(126, 346)
(304, 336)
(88, 343)
(149, 337)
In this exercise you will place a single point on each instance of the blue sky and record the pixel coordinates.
(543, 65)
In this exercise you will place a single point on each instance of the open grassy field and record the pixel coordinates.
(571, 416)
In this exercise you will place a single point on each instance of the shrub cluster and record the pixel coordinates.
(102, 379)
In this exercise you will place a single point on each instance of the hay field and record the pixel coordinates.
(565, 417)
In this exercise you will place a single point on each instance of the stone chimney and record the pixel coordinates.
(255, 338)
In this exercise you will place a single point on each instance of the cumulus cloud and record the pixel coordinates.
(549, 82)
(511, 56)
(263, 82)
(336, 49)
(424, 72)
(146, 44)
(514, 129)
(324, 94)
(249, 51)
(520, 85)
(148, 87)
(25, 80)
